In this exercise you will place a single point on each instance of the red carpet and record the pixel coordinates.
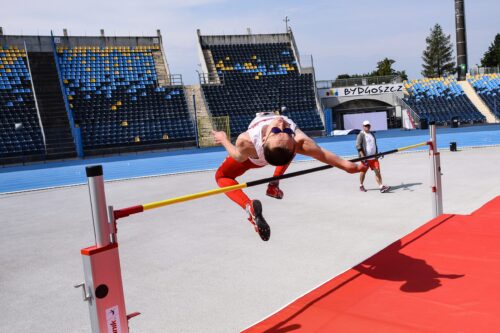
(442, 277)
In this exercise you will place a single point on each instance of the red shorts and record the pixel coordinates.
(373, 164)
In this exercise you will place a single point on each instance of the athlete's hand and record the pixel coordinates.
(219, 136)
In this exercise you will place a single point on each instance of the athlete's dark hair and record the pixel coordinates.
(279, 155)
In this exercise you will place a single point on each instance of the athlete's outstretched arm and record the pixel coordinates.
(307, 146)
(238, 152)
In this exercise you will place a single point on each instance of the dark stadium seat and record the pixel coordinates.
(20, 132)
(488, 88)
(440, 100)
(116, 99)
(257, 78)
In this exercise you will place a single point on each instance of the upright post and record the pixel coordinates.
(435, 158)
(103, 287)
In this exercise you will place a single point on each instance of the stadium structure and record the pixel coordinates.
(65, 97)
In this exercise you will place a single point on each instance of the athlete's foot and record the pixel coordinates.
(274, 191)
(254, 210)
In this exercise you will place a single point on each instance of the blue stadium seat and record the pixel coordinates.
(20, 132)
(257, 78)
(116, 99)
(440, 100)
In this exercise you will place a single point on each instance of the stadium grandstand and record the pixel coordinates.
(20, 130)
(64, 97)
(248, 74)
(441, 100)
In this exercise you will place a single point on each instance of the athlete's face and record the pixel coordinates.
(278, 134)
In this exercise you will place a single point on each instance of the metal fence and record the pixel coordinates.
(361, 81)
(484, 70)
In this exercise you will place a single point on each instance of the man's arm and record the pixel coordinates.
(238, 152)
(359, 145)
(307, 146)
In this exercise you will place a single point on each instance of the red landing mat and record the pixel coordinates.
(443, 277)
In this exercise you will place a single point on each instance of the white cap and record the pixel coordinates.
(366, 122)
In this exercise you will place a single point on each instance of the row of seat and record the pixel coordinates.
(20, 131)
(258, 78)
(488, 88)
(441, 100)
(116, 99)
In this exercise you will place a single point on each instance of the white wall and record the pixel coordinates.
(378, 120)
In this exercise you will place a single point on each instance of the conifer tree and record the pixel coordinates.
(491, 58)
(438, 56)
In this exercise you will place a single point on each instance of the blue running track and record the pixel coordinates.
(54, 174)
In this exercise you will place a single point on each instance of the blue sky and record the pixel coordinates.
(343, 36)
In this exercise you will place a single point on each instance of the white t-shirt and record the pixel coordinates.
(371, 149)
(255, 133)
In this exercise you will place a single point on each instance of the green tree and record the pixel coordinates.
(438, 55)
(491, 57)
(384, 68)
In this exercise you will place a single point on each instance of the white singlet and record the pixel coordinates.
(255, 133)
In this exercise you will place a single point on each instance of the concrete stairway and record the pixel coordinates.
(161, 69)
(204, 121)
(477, 101)
(59, 140)
(212, 72)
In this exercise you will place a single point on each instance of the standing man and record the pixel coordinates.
(270, 139)
(366, 144)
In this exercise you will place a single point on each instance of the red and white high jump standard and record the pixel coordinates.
(103, 289)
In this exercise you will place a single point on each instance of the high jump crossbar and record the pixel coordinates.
(124, 212)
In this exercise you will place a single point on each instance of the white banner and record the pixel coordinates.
(365, 90)
(378, 120)
(407, 120)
